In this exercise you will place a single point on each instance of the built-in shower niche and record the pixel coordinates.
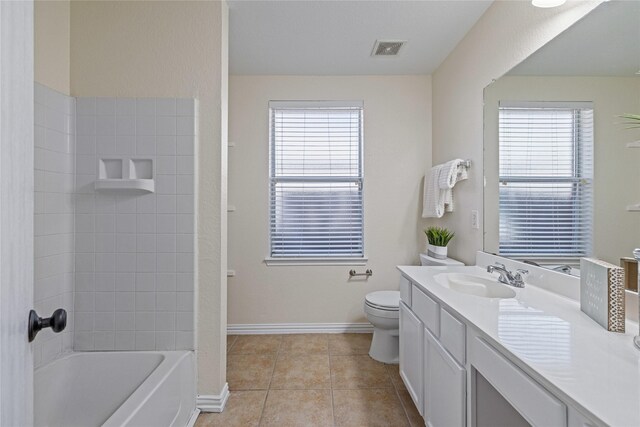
(125, 173)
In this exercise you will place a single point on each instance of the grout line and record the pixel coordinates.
(232, 343)
(402, 404)
(404, 409)
(333, 404)
(264, 405)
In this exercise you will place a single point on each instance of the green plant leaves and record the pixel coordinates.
(438, 236)
(633, 120)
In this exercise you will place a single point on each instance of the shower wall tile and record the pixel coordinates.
(55, 118)
(134, 257)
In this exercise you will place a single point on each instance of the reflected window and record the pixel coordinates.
(546, 179)
(316, 179)
(534, 335)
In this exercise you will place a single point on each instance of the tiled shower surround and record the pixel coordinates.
(121, 262)
(134, 251)
(53, 222)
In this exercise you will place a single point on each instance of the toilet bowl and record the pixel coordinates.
(381, 309)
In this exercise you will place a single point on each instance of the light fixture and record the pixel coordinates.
(548, 3)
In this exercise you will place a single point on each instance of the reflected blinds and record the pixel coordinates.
(316, 177)
(546, 179)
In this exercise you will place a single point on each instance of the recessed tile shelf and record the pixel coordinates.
(123, 173)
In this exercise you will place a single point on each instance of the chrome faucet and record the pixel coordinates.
(507, 277)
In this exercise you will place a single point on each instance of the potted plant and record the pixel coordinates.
(437, 240)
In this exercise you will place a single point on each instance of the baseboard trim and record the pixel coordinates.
(193, 418)
(298, 328)
(213, 403)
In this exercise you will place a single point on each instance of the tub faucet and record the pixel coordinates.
(507, 277)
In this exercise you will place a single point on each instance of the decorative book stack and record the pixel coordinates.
(602, 293)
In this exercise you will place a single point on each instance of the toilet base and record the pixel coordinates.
(385, 346)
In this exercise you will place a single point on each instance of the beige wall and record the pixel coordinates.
(52, 41)
(397, 150)
(171, 49)
(616, 231)
(506, 34)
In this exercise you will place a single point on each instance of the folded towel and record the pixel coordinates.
(432, 205)
(452, 172)
(438, 188)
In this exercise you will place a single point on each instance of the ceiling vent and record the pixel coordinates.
(387, 47)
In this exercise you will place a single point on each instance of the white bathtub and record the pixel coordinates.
(136, 389)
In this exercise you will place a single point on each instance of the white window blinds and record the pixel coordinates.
(546, 179)
(316, 178)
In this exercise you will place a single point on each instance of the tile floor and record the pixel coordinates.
(311, 380)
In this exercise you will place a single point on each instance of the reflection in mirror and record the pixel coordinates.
(561, 182)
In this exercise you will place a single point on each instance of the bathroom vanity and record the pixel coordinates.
(474, 352)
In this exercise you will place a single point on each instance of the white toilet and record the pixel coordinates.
(381, 309)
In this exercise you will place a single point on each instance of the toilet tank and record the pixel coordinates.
(426, 260)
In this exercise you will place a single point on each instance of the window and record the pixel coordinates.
(316, 179)
(546, 174)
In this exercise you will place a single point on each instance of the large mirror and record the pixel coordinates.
(562, 169)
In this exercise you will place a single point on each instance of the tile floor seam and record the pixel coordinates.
(406, 413)
(273, 370)
(275, 363)
(333, 405)
(264, 405)
(232, 343)
(395, 388)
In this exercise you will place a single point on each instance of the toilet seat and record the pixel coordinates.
(381, 312)
(383, 300)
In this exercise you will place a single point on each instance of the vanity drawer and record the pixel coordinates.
(405, 290)
(453, 336)
(427, 310)
(530, 399)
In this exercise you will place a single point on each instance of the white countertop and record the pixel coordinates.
(547, 336)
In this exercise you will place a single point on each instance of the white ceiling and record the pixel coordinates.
(606, 42)
(324, 37)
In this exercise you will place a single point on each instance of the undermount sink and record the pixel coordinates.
(474, 285)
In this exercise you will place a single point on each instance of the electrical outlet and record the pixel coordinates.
(475, 220)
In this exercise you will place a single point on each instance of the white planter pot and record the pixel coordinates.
(439, 252)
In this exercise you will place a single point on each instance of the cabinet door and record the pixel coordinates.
(411, 354)
(445, 386)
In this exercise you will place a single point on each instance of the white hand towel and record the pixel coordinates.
(432, 202)
(438, 188)
(451, 173)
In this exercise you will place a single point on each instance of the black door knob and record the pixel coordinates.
(57, 322)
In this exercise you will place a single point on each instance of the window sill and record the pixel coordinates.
(315, 261)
